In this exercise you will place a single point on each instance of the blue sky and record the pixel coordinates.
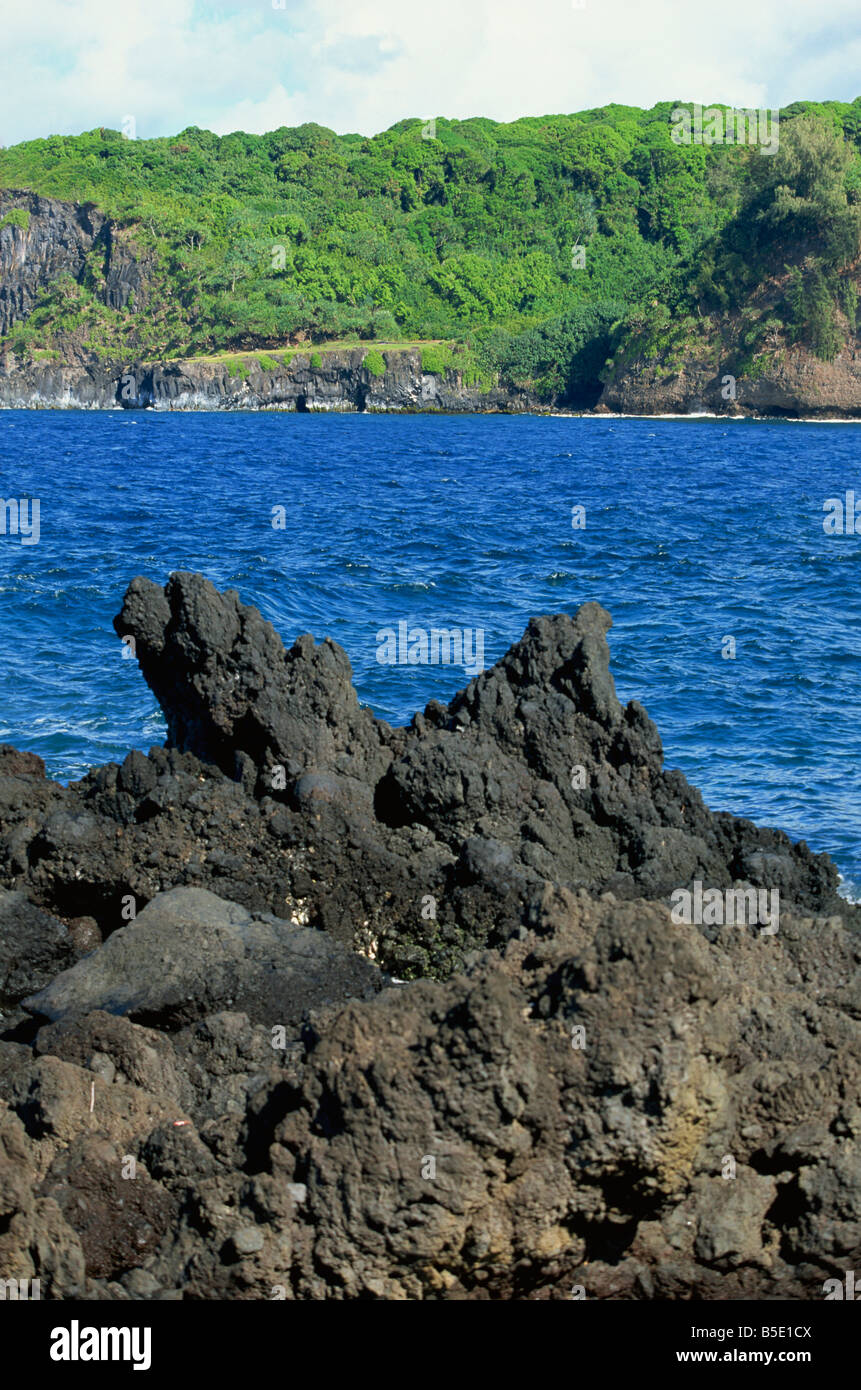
(361, 65)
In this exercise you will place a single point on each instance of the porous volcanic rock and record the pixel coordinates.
(278, 791)
(476, 797)
(614, 1103)
(580, 1094)
(34, 947)
(189, 953)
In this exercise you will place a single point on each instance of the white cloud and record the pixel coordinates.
(70, 65)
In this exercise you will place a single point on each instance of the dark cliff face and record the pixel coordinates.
(798, 385)
(58, 241)
(787, 380)
(341, 383)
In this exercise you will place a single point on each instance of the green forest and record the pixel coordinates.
(544, 251)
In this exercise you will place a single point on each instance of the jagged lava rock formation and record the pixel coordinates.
(552, 1105)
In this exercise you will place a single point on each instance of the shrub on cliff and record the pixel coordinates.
(374, 363)
(16, 217)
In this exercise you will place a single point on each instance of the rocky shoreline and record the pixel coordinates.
(801, 387)
(342, 383)
(795, 384)
(304, 1006)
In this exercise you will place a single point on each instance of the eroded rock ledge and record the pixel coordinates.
(554, 1104)
(341, 383)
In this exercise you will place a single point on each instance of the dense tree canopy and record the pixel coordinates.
(462, 230)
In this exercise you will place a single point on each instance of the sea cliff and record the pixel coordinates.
(798, 385)
(46, 243)
(794, 382)
(341, 383)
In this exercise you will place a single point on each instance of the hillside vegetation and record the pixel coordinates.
(465, 231)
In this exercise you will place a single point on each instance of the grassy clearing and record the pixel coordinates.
(282, 355)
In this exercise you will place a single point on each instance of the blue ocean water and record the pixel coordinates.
(696, 530)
